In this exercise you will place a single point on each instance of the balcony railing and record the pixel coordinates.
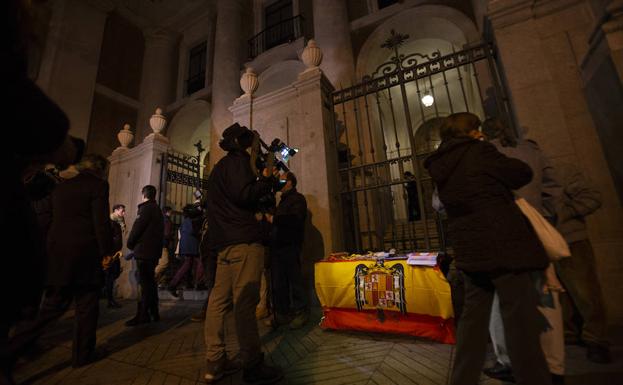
(285, 32)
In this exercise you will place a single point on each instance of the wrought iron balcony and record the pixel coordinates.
(284, 32)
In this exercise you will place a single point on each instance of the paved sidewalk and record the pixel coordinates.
(171, 352)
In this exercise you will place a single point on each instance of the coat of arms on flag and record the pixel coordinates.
(379, 287)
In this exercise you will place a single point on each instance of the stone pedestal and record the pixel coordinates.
(301, 116)
(130, 170)
(541, 46)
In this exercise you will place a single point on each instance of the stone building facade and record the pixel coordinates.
(112, 62)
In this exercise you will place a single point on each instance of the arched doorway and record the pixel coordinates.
(416, 68)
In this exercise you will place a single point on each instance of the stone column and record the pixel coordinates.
(332, 33)
(157, 88)
(68, 70)
(226, 73)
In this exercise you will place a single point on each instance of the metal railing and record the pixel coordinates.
(284, 32)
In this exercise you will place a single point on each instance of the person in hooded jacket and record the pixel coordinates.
(495, 249)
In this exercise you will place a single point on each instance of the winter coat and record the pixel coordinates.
(289, 219)
(147, 233)
(232, 197)
(80, 233)
(189, 242)
(487, 230)
(579, 199)
(542, 189)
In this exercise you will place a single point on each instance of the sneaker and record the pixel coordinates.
(500, 371)
(262, 374)
(173, 291)
(299, 320)
(218, 369)
(598, 353)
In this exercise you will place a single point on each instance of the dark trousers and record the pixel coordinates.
(190, 261)
(523, 325)
(584, 313)
(148, 302)
(287, 279)
(56, 302)
(110, 276)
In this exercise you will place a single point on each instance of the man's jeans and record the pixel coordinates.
(236, 291)
(578, 275)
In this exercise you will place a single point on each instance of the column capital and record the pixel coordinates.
(159, 36)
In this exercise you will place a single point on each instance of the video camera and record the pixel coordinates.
(276, 156)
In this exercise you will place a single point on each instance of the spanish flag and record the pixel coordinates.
(387, 297)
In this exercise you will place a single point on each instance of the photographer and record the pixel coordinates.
(285, 250)
(233, 195)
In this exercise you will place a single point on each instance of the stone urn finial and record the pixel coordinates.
(125, 136)
(158, 121)
(249, 82)
(312, 55)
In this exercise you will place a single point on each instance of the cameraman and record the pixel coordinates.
(233, 195)
(285, 251)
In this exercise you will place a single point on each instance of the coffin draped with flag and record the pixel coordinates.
(385, 296)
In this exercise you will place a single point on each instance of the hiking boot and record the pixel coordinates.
(299, 320)
(598, 353)
(215, 370)
(262, 374)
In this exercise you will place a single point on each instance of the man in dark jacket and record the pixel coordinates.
(285, 251)
(234, 233)
(495, 249)
(79, 237)
(145, 240)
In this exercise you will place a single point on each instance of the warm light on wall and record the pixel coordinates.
(428, 100)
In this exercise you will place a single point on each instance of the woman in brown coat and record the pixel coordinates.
(495, 248)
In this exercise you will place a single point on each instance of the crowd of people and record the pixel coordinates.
(69, 243)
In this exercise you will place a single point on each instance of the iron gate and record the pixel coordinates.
(180, 179)
(389, 123)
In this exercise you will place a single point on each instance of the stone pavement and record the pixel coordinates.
(171, 353)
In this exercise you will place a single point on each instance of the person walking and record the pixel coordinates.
(285, 251)
(145, 240)
(113, 268)
(234, 233)
(189, 247)
(584, 300)
(79, 237)
(495, 248)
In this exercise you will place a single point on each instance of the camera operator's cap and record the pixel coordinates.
(230, 135)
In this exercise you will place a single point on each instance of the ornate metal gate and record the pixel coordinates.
(180, 179)
(389, 123)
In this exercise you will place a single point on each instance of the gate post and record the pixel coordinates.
(301, 115)
(130, 170)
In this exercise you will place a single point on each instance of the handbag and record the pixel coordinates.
(109, 259)
(554, 244)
